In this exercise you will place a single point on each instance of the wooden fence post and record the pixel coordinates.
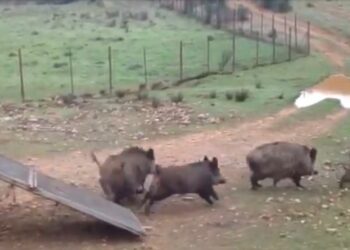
(308, 39)
(290, 45)
(262, 25)
(110, 69)
(181, 62)
(296, 31)
(208, 54)
(234, 42)
(70, 55)
(21, 74)
(274, 34)
(285, 30)
(145, 65)
(251, 21)
(257, 48)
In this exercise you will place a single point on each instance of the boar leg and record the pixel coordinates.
(148, 205)
(275, 181)
(254, 182)
(206, 196)
(296, 179)
(213, 194)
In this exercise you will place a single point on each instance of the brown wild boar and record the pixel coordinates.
(280, 160)
(345, 178)
(123, 175)
(198, 177)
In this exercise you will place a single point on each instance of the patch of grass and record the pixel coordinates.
(212, 94)
(291, 82)
(229, 95)
(315, 112)
(57, 33)
(331, 15)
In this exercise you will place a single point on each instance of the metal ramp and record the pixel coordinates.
(77, 198)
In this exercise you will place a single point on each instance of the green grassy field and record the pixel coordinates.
(280, 85)
(332, 15)
(46, 33)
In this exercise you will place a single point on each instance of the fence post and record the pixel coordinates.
(257, 48)
(296, 30)
(308, 39)
(70, 55)
(208, 54)
(290, 45)
(274, 33)
(251, 21)
(21, 74)
(110, 69)
(285, 29)
(181, 62)
(145, 65)
(234, 42)
(262, 25)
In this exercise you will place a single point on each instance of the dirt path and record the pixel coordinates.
(332, 44)
(174, 217)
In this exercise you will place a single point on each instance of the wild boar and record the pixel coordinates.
(122, 175)
(345, 178)
(198, 177)
(280, 160)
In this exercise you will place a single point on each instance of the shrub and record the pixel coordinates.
(241, 95)
(212, 94)
(155, 102)
(258, 85)
(177, 98)
(142, 95)
(120, 93)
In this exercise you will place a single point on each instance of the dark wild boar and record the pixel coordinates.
(345, 178)
(280, 160)
(122, 175)
(198, 177)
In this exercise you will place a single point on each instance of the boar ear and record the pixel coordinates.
(150, 154)
(214, 162)
(205, 158)
(313, 154)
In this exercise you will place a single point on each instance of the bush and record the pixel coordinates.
(142, 95)
(280, 96)
(310, 5)
(258, 85)
(177, 98)
(241, 95)
(212, 94)
(229, 95)
(120, 93)
(155, 102)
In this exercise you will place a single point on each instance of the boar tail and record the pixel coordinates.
(94, 159)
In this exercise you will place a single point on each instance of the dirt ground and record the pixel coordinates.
(34, 223)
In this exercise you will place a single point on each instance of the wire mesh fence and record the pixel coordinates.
(81, 69)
